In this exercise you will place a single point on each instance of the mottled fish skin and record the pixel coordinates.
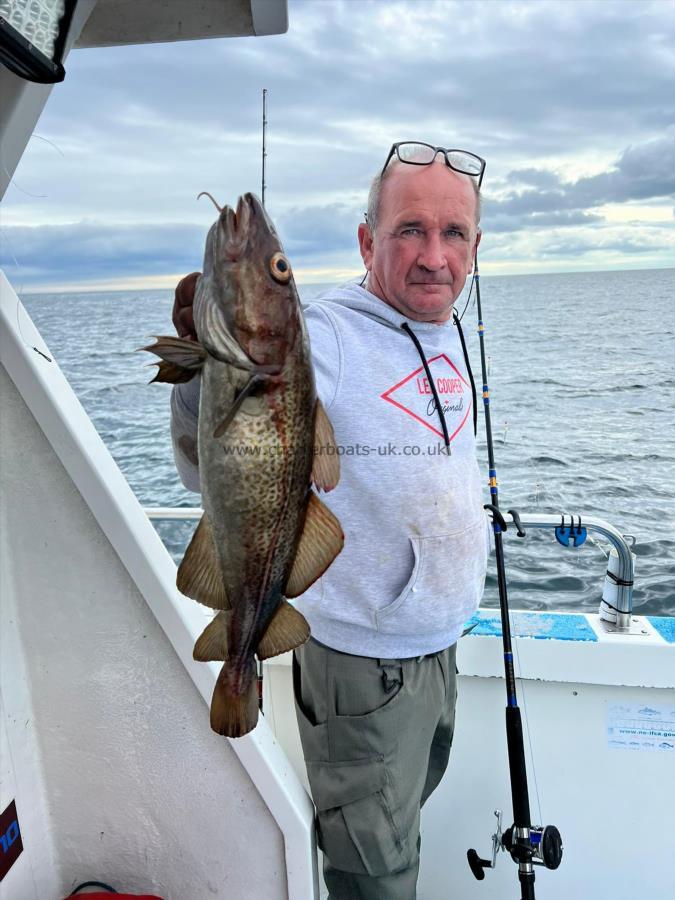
(263, 436)
(255, 477)
(255, 483)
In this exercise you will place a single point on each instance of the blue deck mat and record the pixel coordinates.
(665, 625)
(559, 627)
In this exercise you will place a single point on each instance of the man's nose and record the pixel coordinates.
(431, 253)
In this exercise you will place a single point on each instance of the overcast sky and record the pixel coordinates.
(572, 104)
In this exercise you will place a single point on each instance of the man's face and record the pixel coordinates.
(423, 247)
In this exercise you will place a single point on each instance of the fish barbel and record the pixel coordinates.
(264, 437)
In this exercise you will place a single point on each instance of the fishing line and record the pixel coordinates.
(19, 268)
(5, 237)
(51, 143)
(595, 543)
(17, 306)
(527, 844)
(19, 272)
(20, 290)
(473, 280)
(19, 188)
(529, 730)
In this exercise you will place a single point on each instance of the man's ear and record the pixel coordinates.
(366, 244)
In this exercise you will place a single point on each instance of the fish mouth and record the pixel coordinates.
(240, 225)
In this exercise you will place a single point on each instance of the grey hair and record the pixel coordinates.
(375, 193)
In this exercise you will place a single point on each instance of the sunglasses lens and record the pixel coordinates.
(416, 153)
(465, 162)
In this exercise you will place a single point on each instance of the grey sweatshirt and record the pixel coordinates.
(416, 539)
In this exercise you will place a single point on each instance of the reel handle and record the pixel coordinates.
(477, 865)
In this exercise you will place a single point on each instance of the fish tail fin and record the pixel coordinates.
(235, 714)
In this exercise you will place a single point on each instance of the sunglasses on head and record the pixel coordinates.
(415, 153)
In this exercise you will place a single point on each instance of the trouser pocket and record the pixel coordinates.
(351, 786)
(355, 825)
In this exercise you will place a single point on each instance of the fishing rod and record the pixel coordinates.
(528, 845)
(259, 663)
(264, 149)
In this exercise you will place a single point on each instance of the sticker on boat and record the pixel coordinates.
(638, 727)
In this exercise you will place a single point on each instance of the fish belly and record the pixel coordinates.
(255, 483)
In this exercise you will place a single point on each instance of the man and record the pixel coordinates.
(375, 685)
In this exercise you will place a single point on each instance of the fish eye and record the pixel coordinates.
(280, 268)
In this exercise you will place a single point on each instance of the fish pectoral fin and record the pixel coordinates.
(245, 392)
(326, 467)
(287, 630)
(321, 541)
(199, 574)
(180, 359)
(170, 373)
(211, 645)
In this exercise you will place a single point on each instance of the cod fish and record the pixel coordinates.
(264, 438)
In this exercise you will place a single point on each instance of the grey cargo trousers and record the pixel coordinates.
(376, 736)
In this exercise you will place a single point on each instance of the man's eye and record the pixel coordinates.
(453, 232)
(410, 232)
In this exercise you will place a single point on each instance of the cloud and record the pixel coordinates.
(512, 81)
(314, 238)
(536, 178)
(643, 172)
(91, 251)
(316, 230)
(500, 222)
(570, 103)
(579, 246)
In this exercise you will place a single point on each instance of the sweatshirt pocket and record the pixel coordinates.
(445, 585)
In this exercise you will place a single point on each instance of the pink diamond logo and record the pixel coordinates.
(414, 396)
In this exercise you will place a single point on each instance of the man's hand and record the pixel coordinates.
(183, 320)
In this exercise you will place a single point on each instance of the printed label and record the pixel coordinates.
(414, 396)
(641, 727)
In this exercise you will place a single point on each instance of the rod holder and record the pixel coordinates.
(616, 606)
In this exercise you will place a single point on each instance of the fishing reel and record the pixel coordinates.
(541, 846)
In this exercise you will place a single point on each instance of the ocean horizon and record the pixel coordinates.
(582, 384)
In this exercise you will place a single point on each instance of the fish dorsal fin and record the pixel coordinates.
(199, 574)
(326, 467)
(211, 645)
(320, 542)
(287, 630)
(181, 359)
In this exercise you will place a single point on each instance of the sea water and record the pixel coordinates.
(582, 386)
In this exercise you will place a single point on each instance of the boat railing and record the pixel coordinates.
(616, 605)
(173, 512)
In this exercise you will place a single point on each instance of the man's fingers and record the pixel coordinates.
(185, 323)
(185, 289)
(182, 307)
